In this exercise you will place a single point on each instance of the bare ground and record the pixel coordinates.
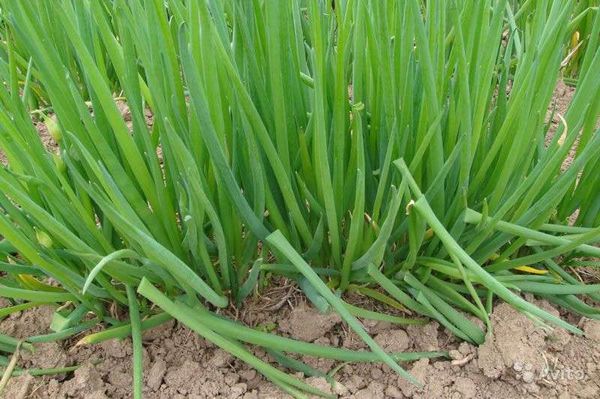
(520, 360)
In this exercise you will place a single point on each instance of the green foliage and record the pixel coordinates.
(376, 144)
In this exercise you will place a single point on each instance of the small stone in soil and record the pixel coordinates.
(393, 340)
(307, 324)
(465, 387)
(419, 371)
(393, 392)
(465, 348)
(156, 374)
(220, 358)
(591, 329)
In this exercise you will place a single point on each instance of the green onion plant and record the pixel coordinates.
(398, 149)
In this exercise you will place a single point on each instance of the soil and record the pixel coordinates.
(519, 360)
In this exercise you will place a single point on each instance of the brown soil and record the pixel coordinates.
(519, 360)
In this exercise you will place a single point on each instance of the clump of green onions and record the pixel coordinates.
(395, 149)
